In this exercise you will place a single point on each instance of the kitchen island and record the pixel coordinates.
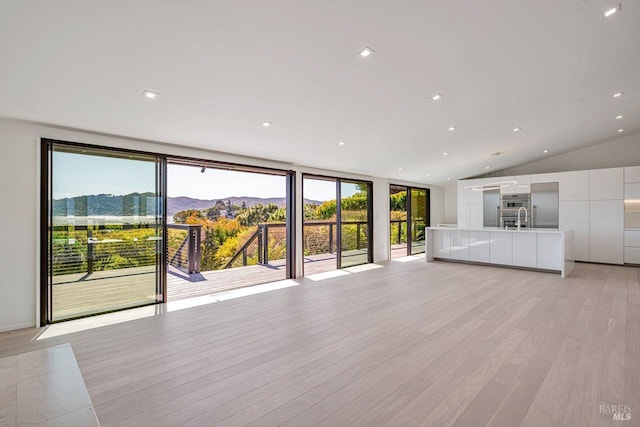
(538, 248)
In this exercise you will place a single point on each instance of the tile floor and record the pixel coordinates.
(44, 388)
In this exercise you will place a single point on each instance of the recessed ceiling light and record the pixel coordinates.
(149, 94)
(400, 169)
(366, 52)
(341, 143)
(545, 151)
(446, 153)
(517, 129)
(437, 96)
(448, 179)
(620, 130)
(452, 128)
(487, 167)
(612, 11)
(619, 117)
(266, 124)
(618, 94)
(428, 175)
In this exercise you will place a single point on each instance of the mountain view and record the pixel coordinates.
(108, 204)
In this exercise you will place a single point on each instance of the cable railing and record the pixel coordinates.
(86, 249)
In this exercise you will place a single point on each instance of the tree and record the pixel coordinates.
(399, 201)
(213, 213)
(256, 214)
(182, 216)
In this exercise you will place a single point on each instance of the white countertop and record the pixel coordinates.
(522, 230)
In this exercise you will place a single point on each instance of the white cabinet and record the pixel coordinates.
(632, 174)
(501, 248)
(460, 245)
(505, 190)
(463, 215)
(632, 255)
(606, 184)
(476, 219)
(632, 247)
(479, 246)
(550, 256)
(545, 177)
(632, 191)
(575, 215)
(525, 250)
(574, 185)
(606, 231)
(463, 193)
(475, 196)
(442, 244)
(523, 185)
(632, 238)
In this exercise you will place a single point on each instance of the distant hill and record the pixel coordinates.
(142, 204)
(177, 204)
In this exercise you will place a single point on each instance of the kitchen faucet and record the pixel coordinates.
(526, 216)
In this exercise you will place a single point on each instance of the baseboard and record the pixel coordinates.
(17, 326)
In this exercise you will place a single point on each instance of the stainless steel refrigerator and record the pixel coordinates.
(544, 205)
(491, 208)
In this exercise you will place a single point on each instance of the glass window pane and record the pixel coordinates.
(418, 219)
(319, 225)
(354, 198)
(105, 237)
(398, 221)
(240, 218)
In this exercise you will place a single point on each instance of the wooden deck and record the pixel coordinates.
(84, 294)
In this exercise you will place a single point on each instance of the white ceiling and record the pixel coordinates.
(223, 67)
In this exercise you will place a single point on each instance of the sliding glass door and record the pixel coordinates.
(354, 223)
(337, 228)
(398, 224)
(103, 213)
(229, 226)
(409, 216)
(418, 203)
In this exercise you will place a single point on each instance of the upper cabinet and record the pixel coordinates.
(632, 174)
(606, 184)
(574, 185)
(523, 185)
(463, 193)
(475, 196)
(545, 177)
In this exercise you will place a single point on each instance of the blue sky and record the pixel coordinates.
(82, 174)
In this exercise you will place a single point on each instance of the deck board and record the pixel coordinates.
(85, 294)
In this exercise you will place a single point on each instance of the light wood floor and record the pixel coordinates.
(414, 343)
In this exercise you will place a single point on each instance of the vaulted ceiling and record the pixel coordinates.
(221, 68)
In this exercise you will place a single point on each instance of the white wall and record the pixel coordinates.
(19, 188)
(620, 152)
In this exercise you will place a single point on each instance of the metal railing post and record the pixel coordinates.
(260, 254)
(194, 252)
(89, 251)
(358, 236)
(399, 232)
(265, 244)
(331, 238)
